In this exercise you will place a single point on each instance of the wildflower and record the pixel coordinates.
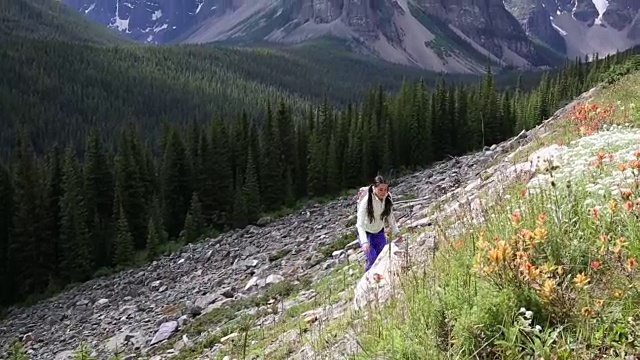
(547, 289)
(628, 205)
(598, 303)
(613, 205)
(540, 233)
(594, 213)
(523, 192)
(529, 272)
(620, 243)
(595, 264)
(586, 311)
(522, 256)
(604, 237)
(516, 219)
(626, 194)
(500, 253)
(631, 263)
(581, 280)
(617, 293)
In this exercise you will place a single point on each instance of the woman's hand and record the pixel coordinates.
(365, 248)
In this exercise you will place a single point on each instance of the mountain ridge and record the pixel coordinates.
(455, 36)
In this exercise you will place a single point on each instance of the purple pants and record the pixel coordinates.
(377, 242)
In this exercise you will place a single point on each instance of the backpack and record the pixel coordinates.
(361, 193)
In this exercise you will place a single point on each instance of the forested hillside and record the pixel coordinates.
(59, 90)
(51, 20)
(63, 75)
(69, 214)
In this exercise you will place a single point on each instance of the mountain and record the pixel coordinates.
(446, 36)
(580, 27)
(51, 20)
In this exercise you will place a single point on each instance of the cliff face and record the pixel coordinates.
(580, 27)
(440, 35)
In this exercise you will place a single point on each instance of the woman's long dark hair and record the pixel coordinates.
(388, 204)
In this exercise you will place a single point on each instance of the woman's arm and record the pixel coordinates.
(360, 220)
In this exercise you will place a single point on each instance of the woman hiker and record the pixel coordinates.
(374, 209)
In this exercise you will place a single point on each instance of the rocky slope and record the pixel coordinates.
(580, 27)
(137, 310)
(450, 36)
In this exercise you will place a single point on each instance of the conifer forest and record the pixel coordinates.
(72, 211)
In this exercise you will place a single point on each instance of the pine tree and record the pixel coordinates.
(194, 225)
(316, 171)
(6, 225)
(25, 251)
(75, 243)
(240, 211)
(175, 185)
(222, 166)
(51, 212)
(130, 190)
(153, 241)
(99, 193)
(251, 188)
(124, 244)
(334, 178)
(272, 171)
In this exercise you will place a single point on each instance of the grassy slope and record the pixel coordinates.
(458, 306)
(449, 311)
(47, 20)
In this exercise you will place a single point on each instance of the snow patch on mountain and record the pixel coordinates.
(583, 40)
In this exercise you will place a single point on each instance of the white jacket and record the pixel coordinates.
(362, 223)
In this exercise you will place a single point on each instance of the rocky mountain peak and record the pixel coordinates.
(439, 35)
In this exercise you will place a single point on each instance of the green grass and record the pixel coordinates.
(467, 303)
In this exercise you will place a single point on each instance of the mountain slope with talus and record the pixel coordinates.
(445, 36)
(580, 27)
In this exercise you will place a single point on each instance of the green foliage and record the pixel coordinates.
(124, 248)
(338, 244)
(240, 166)
(82, 352)
(17, 351)
(51, 20)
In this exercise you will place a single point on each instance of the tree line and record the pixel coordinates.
(69, 215)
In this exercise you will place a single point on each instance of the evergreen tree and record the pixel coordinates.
(130, 190)
(75, 243)
(272, 171)
(316, 171)
(194, 225)
(26, 247)
(222, 167)
(240, 216)
(334, 178)
(175, 185)
(51, 215)
(124, 244)
(153, 240)
(99, 193)
(251, 188)
(6, 220)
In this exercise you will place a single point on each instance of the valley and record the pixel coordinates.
(190, 199)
